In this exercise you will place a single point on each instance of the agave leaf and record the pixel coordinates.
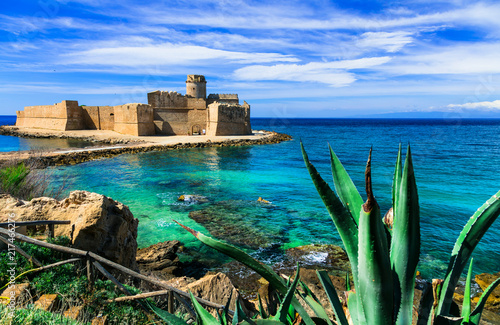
(466, 304)
(355, 308)
(475, 316)
(313, 302)
(262, 322)
(262, 312)
(282, 313)
(332, 297)
(345, 188)
(165, 316)
(265, 271)
(204, 317)
(405, 241)
(396, 183)
(375, 279)
(342, 218)
(470, 236)
(347, 282)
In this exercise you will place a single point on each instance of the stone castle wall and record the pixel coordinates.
(134, 119)
(223, 98)
(224, 119)
(99, 117)
(167, 113)
(63, 116)
(179, 121)
(171, 99)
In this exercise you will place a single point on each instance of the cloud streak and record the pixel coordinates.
(332, 73)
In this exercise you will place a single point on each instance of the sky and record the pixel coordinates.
(285, 58)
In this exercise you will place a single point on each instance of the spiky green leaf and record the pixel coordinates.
(282, 313)
(331, 293)
(475, 316)
(470, 236)
(466, 304)
(204, 317)
(345, 188)
(165, 316)
(342, 218)
(265, 271)
(405, 241)
(375, 278)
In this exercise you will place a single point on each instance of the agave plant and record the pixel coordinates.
(383, 253)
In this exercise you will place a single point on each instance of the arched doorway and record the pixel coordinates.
(196, 130)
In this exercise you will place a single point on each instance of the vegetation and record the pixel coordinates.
(384, 254)
(69, 281)
(33, 316)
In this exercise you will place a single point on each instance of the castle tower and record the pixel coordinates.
(196, 86)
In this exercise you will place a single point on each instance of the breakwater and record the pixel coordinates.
(55, 158)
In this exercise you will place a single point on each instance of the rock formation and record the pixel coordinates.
(160, 260)
(98, 223)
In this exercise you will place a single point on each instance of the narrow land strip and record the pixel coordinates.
(110, 144)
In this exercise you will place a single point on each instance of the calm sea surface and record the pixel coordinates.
(9, 143)
(456, 164)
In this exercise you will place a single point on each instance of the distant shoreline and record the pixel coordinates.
(117, 144)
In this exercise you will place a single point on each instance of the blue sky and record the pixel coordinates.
(286, 58)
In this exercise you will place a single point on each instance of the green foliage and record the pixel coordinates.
(62, 281)
(118, 312)
(384, 258)
(44, 255)
(13, 178)
(33, 316)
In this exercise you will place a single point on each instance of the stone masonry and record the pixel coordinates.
(167, 113)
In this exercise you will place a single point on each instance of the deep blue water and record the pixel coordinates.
(456, 165)
(10, 143)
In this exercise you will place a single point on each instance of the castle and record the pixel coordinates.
(167, 113)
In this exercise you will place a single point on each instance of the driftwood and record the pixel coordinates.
(117, 266)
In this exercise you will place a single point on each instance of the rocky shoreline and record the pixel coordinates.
(94, 219)
(33, 134)
(55, 158)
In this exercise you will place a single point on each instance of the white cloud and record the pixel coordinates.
(169, 54)
(493, 105)
(390, 42)
(469, 58)
(332, 73)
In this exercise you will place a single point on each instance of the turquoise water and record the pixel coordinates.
(456, 164)
(10, 143)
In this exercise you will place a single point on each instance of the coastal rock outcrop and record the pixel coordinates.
(160, 260)
(98, 223)
(216, 288)
(484, 280)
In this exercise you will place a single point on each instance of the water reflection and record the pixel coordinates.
(12, 143)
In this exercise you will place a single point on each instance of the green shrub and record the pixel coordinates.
(33, 316)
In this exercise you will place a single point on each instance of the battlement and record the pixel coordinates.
(223, 98)
(196, 78)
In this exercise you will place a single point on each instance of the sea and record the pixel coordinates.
(456, 163)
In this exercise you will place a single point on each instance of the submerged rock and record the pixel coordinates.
(240, 223)
(98, 223)
(193, 198)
